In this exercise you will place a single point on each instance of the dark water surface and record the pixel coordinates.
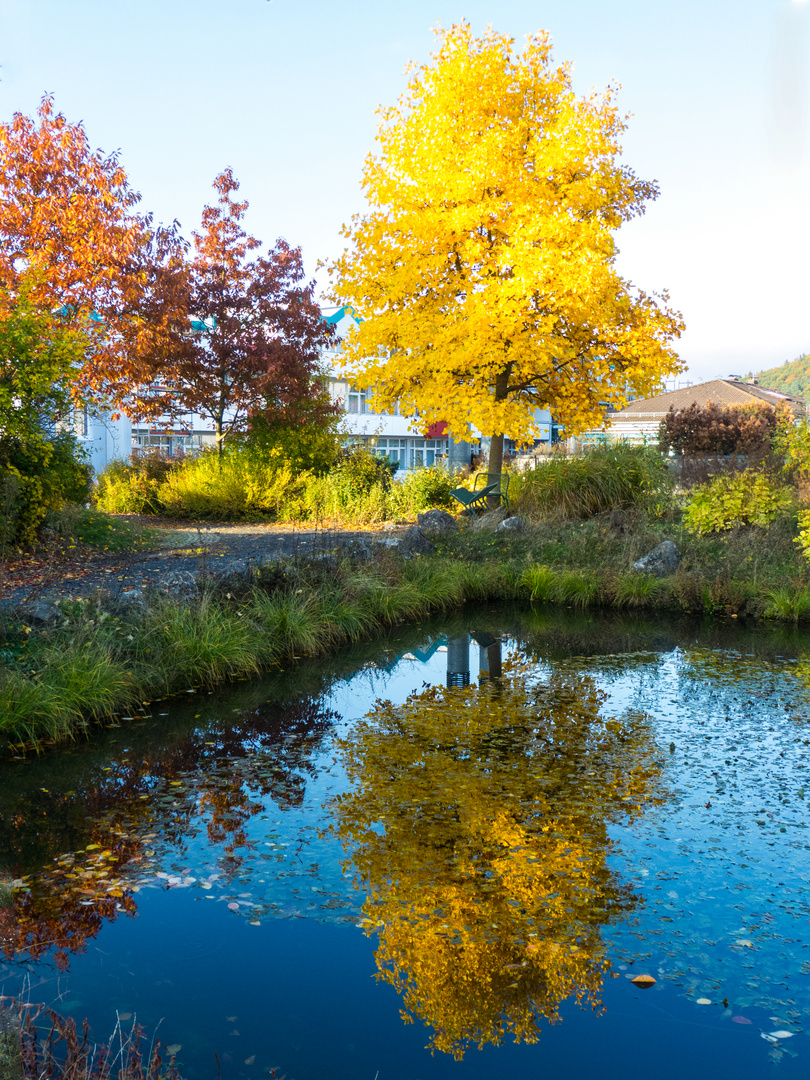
(606, 798)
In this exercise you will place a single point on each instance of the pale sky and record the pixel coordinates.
(285, 92)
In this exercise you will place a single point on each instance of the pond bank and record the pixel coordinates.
(105, 659)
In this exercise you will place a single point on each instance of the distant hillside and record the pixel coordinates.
(791, 377)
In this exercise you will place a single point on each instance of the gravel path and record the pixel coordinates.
(179, 547)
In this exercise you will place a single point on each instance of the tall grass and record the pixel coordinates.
(601, 479)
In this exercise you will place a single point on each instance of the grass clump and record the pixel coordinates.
(601, 479)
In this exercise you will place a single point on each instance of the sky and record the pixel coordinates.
(285, 92)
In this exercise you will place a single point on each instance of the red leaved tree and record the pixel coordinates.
(252, 345)
(70, 237)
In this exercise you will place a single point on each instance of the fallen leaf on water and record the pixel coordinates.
(704, 1001)
(233, 907)
(250, 1060)
(744, 941)
(175, 1048)
(781, 1034)
(739, 1020)
(230, 1019)
(125, 1016)
(643, 982)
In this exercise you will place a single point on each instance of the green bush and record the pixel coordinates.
(38, 474)
(426, 489)
(133, 487)
(604, 478)
(732, 500)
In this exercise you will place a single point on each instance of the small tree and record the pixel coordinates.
(254, 344)
(485, 266)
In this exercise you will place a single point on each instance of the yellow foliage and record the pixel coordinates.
(478, 827)
(483, 273)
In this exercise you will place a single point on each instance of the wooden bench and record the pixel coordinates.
(486, 486)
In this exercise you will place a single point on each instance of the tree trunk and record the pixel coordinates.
(495, 466)
(220, 439)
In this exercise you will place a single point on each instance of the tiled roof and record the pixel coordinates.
(721, 392)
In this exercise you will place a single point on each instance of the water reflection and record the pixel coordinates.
(94, 843)
(478, 828)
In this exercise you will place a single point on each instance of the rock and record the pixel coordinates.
(490, 520)
(662, 560)
(42, 612)
(132, 598)
(232, 570)
(180, 584)
(414, 542)
(437, 521)
(512, 525)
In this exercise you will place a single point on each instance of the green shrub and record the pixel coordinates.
(746, 498)
(426, 488)
(603, 478)
(133, 487)
(38, 474)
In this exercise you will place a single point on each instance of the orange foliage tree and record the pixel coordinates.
(71, 236)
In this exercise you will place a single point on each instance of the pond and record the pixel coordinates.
(446, 853)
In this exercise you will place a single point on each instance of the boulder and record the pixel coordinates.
(490, 520)
(414, 542)
(661, 561)
(511, 525)
(437, 521)
(42, 612)
(132, 600)
(179, 584)
(231, 570)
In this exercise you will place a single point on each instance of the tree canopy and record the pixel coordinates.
(253, 346)
(72, 241)
(483, 273)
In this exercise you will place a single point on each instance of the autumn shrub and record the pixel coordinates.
(427, 488)
(719, 430)
(727, 502)
(602, 478)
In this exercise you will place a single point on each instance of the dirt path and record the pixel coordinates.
(179, 546)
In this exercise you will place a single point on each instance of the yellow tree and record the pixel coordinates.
(478, 827)
(483, 274)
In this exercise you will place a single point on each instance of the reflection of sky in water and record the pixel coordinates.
(269, 939)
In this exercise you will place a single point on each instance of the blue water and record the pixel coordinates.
(243, 949)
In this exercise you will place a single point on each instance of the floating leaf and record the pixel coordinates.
(644, 982)
(740, 1020)
(250, 1060)
(175, 1048)
(704, 1001)
(782, 1034)
(233, 907)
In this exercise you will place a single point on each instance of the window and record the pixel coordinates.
(357, 401)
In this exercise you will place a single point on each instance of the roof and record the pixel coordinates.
(722, 392)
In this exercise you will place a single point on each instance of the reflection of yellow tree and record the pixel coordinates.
(478, 827)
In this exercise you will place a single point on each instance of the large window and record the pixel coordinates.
(395, 449)
(427, 451)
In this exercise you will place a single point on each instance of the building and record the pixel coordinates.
(639, 421)
(394, 434)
